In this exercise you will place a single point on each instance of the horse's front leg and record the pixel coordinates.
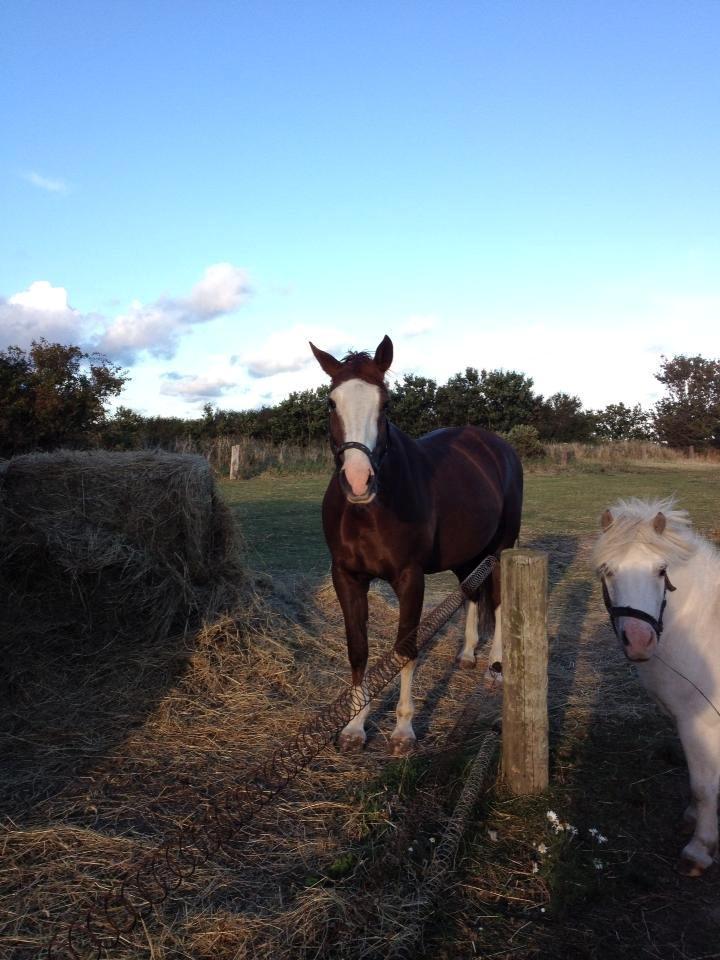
(702, 751)
(410, 590)
(352, 592)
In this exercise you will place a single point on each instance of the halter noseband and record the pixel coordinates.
(616, 612)
(375, 456)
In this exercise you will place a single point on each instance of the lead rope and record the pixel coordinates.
(691, 682)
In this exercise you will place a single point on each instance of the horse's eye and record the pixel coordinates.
(331, 404)
(662, 571)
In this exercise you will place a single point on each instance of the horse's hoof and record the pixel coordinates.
(402, 746)
(493, 677)
(465, 663)
(690, 868)
(351, 742)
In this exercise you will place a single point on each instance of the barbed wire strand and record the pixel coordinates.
(114, 916)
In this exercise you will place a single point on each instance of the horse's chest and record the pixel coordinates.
(379, 552)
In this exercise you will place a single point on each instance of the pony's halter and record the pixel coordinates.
(616, 612)
(375, 456)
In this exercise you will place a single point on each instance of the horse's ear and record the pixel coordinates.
(384, 353)
(606, 519)
(327, 361)
(659, 522)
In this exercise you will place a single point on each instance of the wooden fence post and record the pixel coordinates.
(525, 654)
(234, 461)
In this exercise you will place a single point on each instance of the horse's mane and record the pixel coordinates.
(632, 524)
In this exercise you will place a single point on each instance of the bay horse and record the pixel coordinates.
(661, 586)
(398, 508)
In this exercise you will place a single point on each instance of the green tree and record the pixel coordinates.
(561, 419)
(508, 400)
(620, 422)
(53, 395)
(689, 414)
(413, 405)
(460, 401)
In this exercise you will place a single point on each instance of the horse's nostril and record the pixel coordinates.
(625, 640)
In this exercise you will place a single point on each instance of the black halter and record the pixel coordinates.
(375, 456)
(615, 612)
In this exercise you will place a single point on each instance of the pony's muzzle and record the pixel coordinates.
(638, 638)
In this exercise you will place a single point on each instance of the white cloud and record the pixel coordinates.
(222, 289)
(195, 389)
(416, 326)
(156, 328)
(51, 184)
(41, 311)
(288, 351)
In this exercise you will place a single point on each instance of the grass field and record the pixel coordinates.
(280, 515)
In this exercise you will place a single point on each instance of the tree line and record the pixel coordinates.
(57, 395)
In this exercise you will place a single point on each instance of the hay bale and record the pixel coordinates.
(112, 546)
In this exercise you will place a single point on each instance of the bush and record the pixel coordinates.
(526, 441)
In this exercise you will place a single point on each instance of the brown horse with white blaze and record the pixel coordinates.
(398, 508)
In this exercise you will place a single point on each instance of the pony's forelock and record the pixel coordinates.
(632, 523)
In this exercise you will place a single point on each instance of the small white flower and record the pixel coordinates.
(593, 831)
(541, 848)
(552, 816)
(410, 849)
(493, 835)
(542, 909)
(432, 839)
(598, 864)
(535, 867)
(601, 838)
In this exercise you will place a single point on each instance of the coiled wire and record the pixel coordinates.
(157, 875)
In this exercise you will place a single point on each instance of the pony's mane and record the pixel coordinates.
(632, 524)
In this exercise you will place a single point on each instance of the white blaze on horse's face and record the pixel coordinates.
(358, 405)
(637, 581)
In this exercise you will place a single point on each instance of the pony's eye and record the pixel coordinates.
(662, 571)
(331, 404)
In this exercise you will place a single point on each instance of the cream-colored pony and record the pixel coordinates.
(662, 589)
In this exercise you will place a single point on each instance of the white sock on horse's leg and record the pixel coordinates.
(403, 736)
(353, 734)
(466, 658)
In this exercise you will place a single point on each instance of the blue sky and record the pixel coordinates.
(198, 188)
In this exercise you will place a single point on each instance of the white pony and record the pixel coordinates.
(661, 585)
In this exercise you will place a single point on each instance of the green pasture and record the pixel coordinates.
(280, 514)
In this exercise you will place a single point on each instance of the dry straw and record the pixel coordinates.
(111, 546)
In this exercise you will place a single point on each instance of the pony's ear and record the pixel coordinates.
(659, 522)
(384, 353)
(606, 519)
(327, 361)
